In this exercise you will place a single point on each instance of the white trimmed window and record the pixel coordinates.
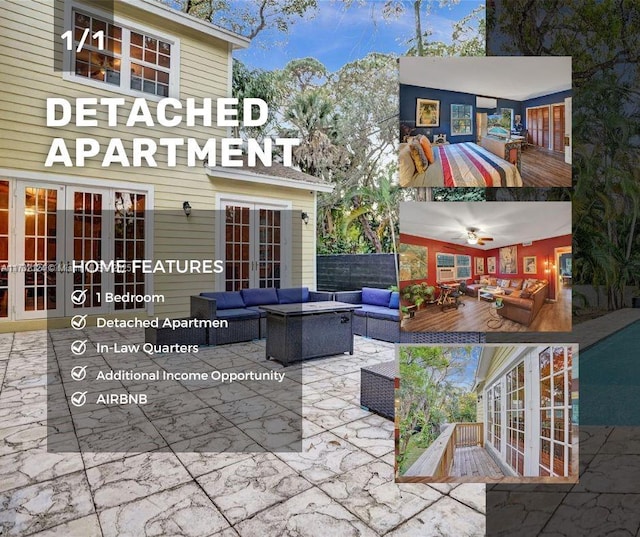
(461, 119)
(452, 267)
(133, 60)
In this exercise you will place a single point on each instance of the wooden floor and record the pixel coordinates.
(544, 168)
(474, 462)
(473, 317)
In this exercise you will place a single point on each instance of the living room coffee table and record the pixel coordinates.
(298, 332)
(489, 293)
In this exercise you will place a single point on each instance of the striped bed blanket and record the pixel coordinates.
(468, 164)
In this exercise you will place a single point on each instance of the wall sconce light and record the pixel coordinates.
(305, 218)
(186, 208)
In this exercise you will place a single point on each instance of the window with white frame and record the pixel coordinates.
(494, 418)
(461, 119)
(452, 267)
(132, 60)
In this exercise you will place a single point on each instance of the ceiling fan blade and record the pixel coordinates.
(485, 238)
(481, 243)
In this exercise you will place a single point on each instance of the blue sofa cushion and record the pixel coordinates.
(394, 301)
(257, 309)
(376, 297)
(237, 313)
(389, 315)
(226, 301)
(368, 309)
(259, 297)
(293, 295)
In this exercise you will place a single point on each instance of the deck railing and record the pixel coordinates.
(437, 459)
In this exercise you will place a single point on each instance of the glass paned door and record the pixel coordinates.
(40, 231)
(515, 418)
(86, 241)
(253, 245)
(4, 249)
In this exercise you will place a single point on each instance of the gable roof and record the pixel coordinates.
(175, 16)
(277, 174)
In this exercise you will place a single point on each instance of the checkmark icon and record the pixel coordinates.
(79, 372)
(79, 322)
(79, 398)
(79, 297)
(79, 346)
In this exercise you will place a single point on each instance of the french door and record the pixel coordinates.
(558, 127)
(255, 244)
(55, 225)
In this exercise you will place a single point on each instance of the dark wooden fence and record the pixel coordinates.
(347, 272)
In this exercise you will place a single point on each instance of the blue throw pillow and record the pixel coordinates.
(293, 295)
(394, 301)
(259, 297)
(376, 297)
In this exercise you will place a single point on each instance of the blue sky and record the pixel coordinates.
(336, 35)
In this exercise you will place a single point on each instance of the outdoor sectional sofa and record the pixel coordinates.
(379, 314)
(242, 310)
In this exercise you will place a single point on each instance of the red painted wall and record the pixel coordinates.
(435, 247)
(540, 249)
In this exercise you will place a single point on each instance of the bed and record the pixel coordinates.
(460, 165)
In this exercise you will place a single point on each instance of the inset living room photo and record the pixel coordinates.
(485, 266)
(485, 121)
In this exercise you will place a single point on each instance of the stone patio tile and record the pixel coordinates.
(44, 505)
(253, 408)
(120, 443)
(229, 532)
(218, 395)
(323, 456)
(241, 490)
(596, 515)
(280, 430)
(172, 405)
(621, 440)
(471, 494)
(213, 451)
(444, 488)
(191, 424)
(135, 477)
(520, 513)
(592, 438)
(332, 412)
(312, 373)
(443, 518)
(310, 514)
(183, 511)
(344, 386)
(373, 433)
(226, 361)
(87, 526)
(99, 421)
(35, 465)
(370, 493)
(611, 473)
(34, 435)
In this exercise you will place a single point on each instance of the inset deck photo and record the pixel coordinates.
(487, 413)
(485, 122)
(485, 266)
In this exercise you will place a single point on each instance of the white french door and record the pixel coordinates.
(254, 238)
(45, 226)
(39, 246)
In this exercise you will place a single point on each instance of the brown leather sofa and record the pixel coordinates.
(523, 306)
(509, 285)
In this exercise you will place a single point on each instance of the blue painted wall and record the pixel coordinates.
(552, 98)
(408, 96)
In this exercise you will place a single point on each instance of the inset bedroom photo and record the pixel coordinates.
(485, 122)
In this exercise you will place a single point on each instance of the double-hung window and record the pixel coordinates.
(461, 119)
(452, 267)
(122, 56)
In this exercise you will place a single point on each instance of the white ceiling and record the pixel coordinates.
(507, 222)
(512, 77)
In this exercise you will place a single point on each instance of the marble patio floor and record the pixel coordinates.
(339, 483)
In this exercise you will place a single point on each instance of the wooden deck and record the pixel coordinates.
(474, 462)
(544, 168)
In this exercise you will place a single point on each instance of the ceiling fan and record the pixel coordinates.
(474, 238)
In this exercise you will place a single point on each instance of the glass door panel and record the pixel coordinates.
(4, 249)
(40, 229)
(237, 247)
(269, 247)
